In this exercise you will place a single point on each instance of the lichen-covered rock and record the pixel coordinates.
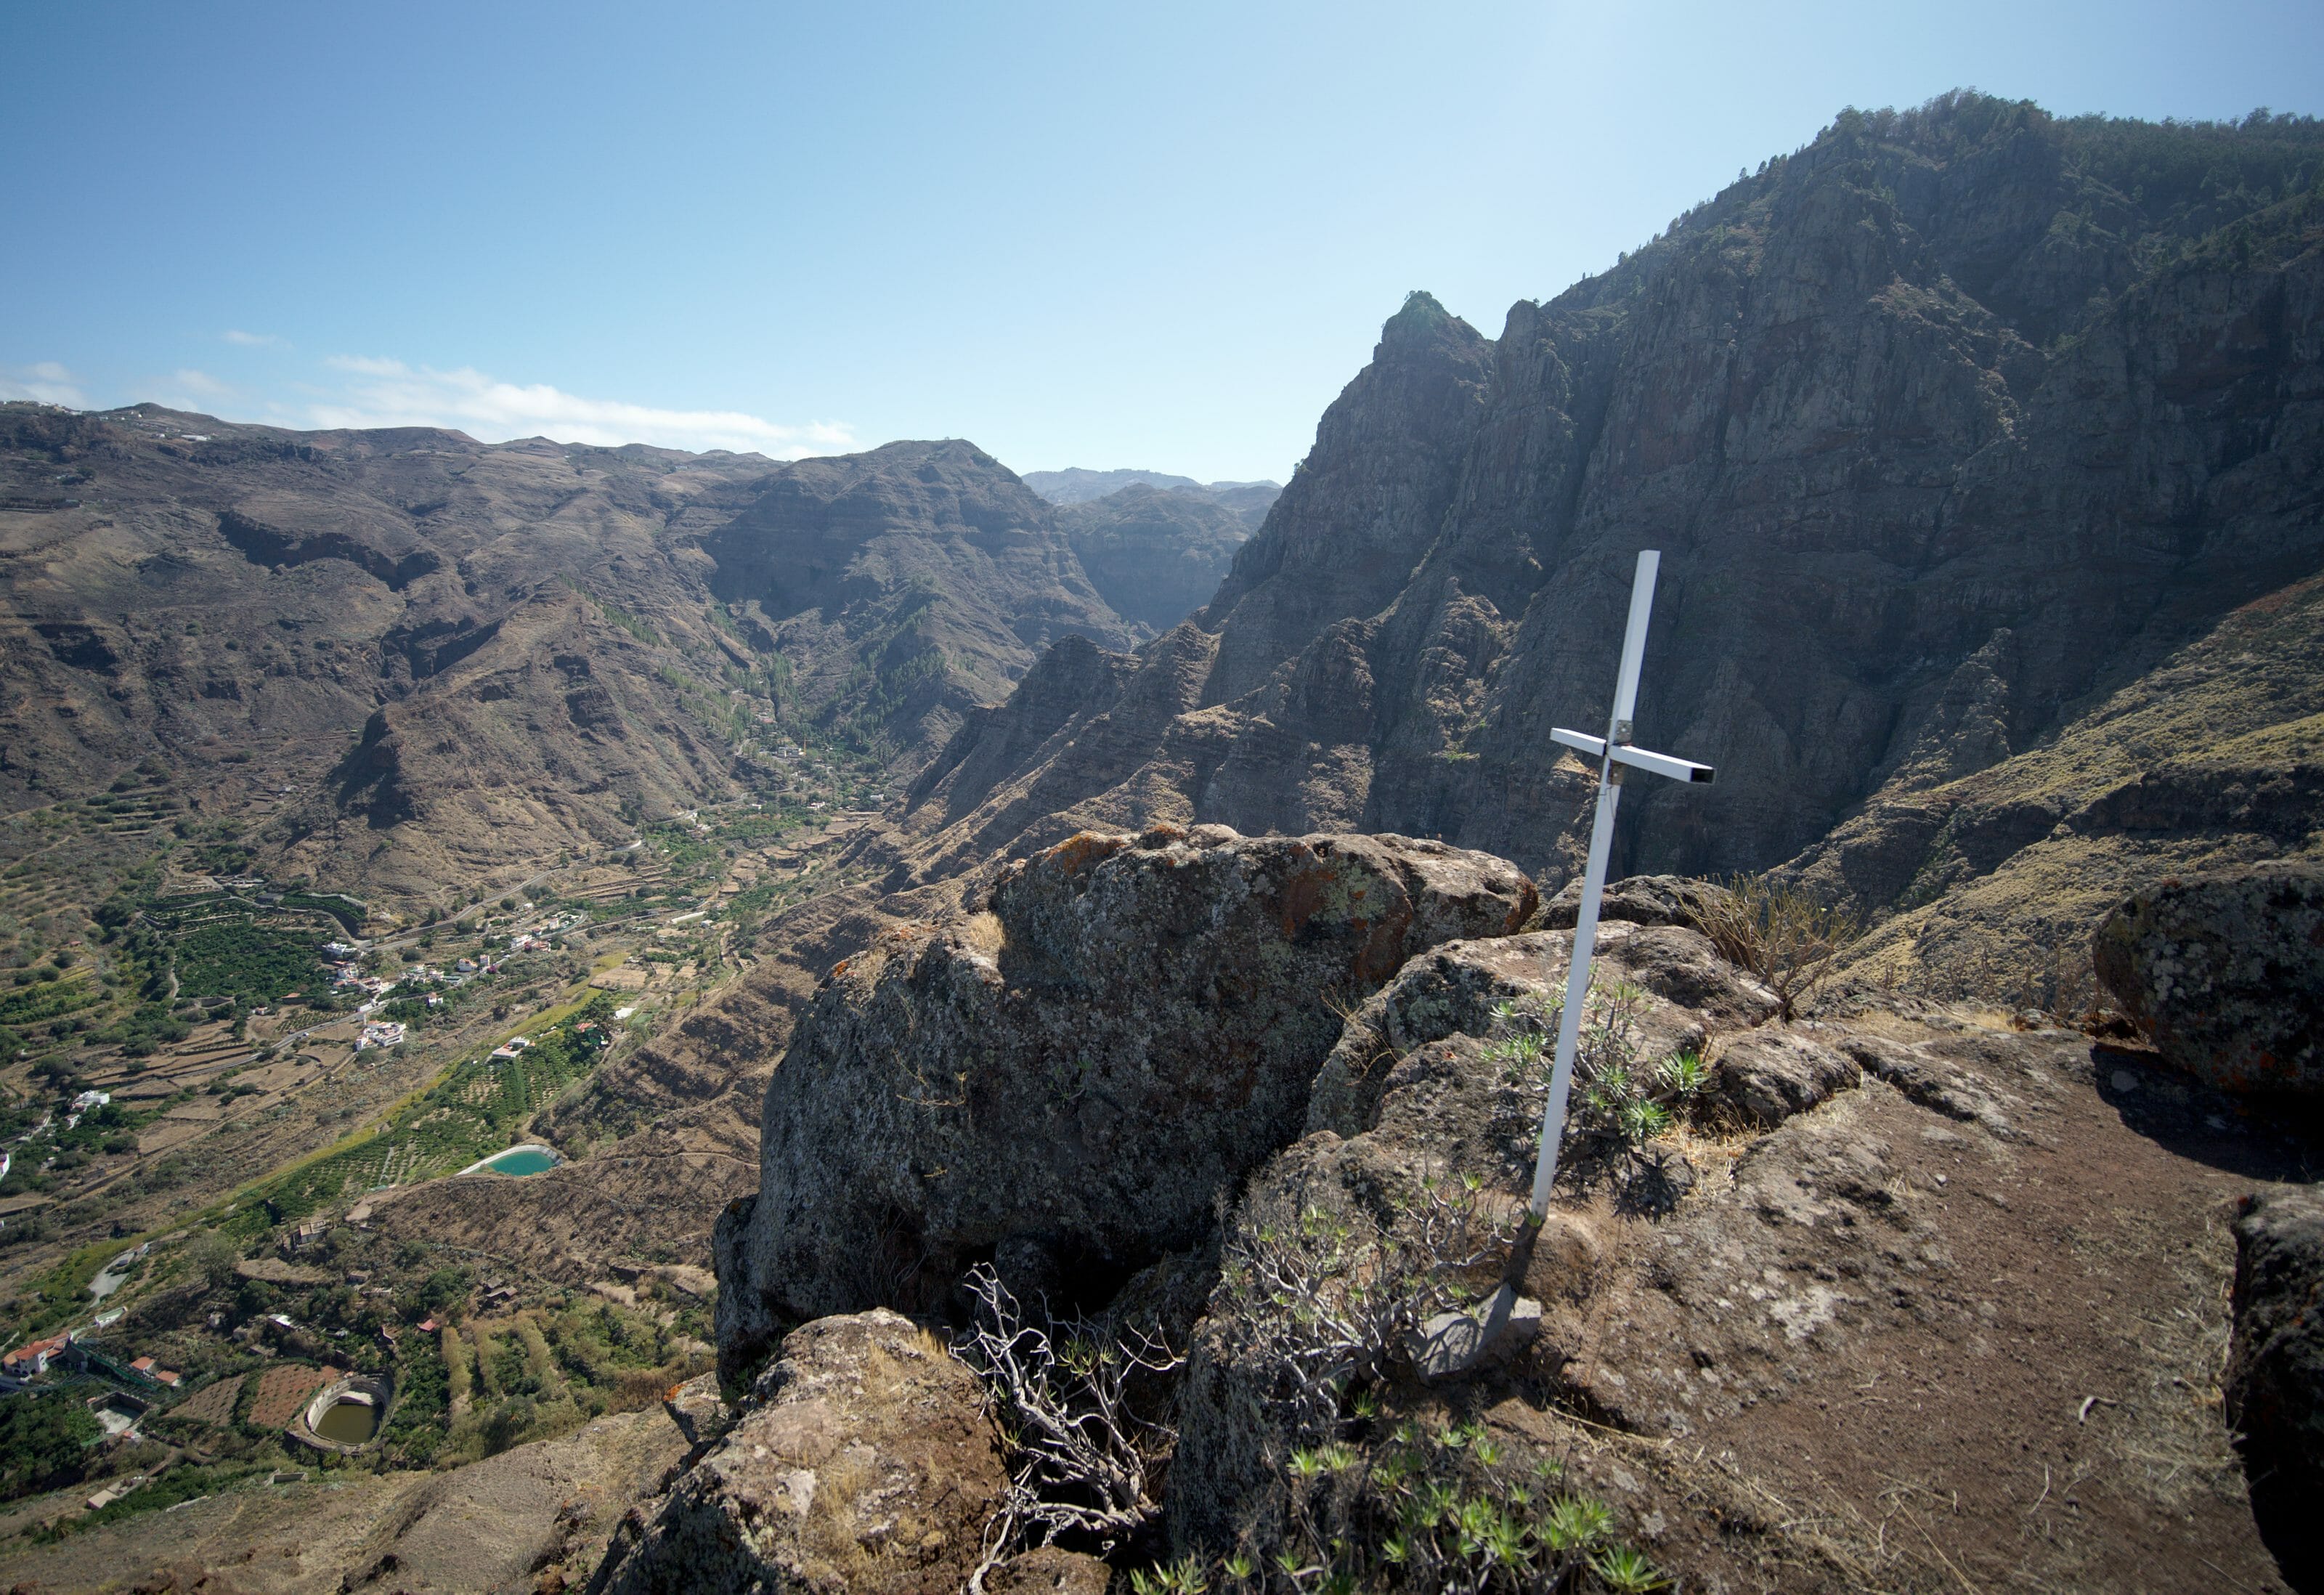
(1455, 988)
(697, 1409)
(1077, 1074)
(2275, 1374)
(863, 1466)
(1770, 1075)
(1637, 900)
(2225, 970)
(1413, 1093)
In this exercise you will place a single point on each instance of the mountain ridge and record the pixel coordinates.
(1871, 487)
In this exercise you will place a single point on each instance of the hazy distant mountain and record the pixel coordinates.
(1155, 554)
(1247, 500)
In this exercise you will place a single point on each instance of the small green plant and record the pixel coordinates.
(1685, 1073)
(1620, 1096)
(1626, 1571)
(1182, 1577)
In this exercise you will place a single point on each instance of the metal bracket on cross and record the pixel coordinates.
(1614, 754)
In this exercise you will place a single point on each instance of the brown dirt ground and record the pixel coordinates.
(281, 1392)
(2046, 1417)
(2072, 1438)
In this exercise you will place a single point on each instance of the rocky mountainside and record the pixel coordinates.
(400, 659)
(907, 584)
(1951, 425)
(1249, 500)
(1800, 1284)
(1155, 554)
(1987, 884)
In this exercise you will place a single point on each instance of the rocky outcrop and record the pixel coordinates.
(2226, 972)
(1770, 1075)
(1079, 1072)
(1637, 900)
(1762, 1294)
(1688, 989)
(862, 1466)
(1415, 1094)
(2275, 1374)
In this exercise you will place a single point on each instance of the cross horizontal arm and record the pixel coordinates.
(1677, 769)
(1581, 740)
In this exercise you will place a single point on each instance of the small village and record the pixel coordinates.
(404, 1051)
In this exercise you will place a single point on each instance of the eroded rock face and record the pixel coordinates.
(1889, 399)
(1073, 1077)
(1414, 1092)
(863, 1467)
(1769, 1075)
(1455, 988)
(2275, 1374)
(2226, 972)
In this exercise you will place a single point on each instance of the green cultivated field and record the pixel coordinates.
(476, 1111)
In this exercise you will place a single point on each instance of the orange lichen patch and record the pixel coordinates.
(1303, 894)
(281, 1392)
(1083, 849)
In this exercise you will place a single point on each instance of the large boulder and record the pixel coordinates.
(2275, 1375)
(1417, 1099)
(864, 1466)
(1685, 986)
(1639, 899)
(2226, 972)
(1770, 1075)
(1067, 1082)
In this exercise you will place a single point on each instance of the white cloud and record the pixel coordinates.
(357, 363)
(48, 382)
(254, 340)
(199, 381)
(390, 393)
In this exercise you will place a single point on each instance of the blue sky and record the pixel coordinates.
(1101, 235)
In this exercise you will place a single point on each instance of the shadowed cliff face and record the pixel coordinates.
(1155, 554)
(1946, 426)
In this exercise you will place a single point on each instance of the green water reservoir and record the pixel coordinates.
(521, 1160)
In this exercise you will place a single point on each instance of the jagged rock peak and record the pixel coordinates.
(1079, 1072)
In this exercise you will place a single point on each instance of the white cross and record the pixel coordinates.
(1613, 752)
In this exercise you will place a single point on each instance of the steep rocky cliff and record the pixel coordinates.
(1949, 425)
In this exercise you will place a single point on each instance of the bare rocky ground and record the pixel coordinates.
(526, 1520)
(1901, 1350)
(1907, 1296)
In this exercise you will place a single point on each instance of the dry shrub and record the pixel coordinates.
(1778, 932)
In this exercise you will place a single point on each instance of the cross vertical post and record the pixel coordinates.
(1614, 753)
